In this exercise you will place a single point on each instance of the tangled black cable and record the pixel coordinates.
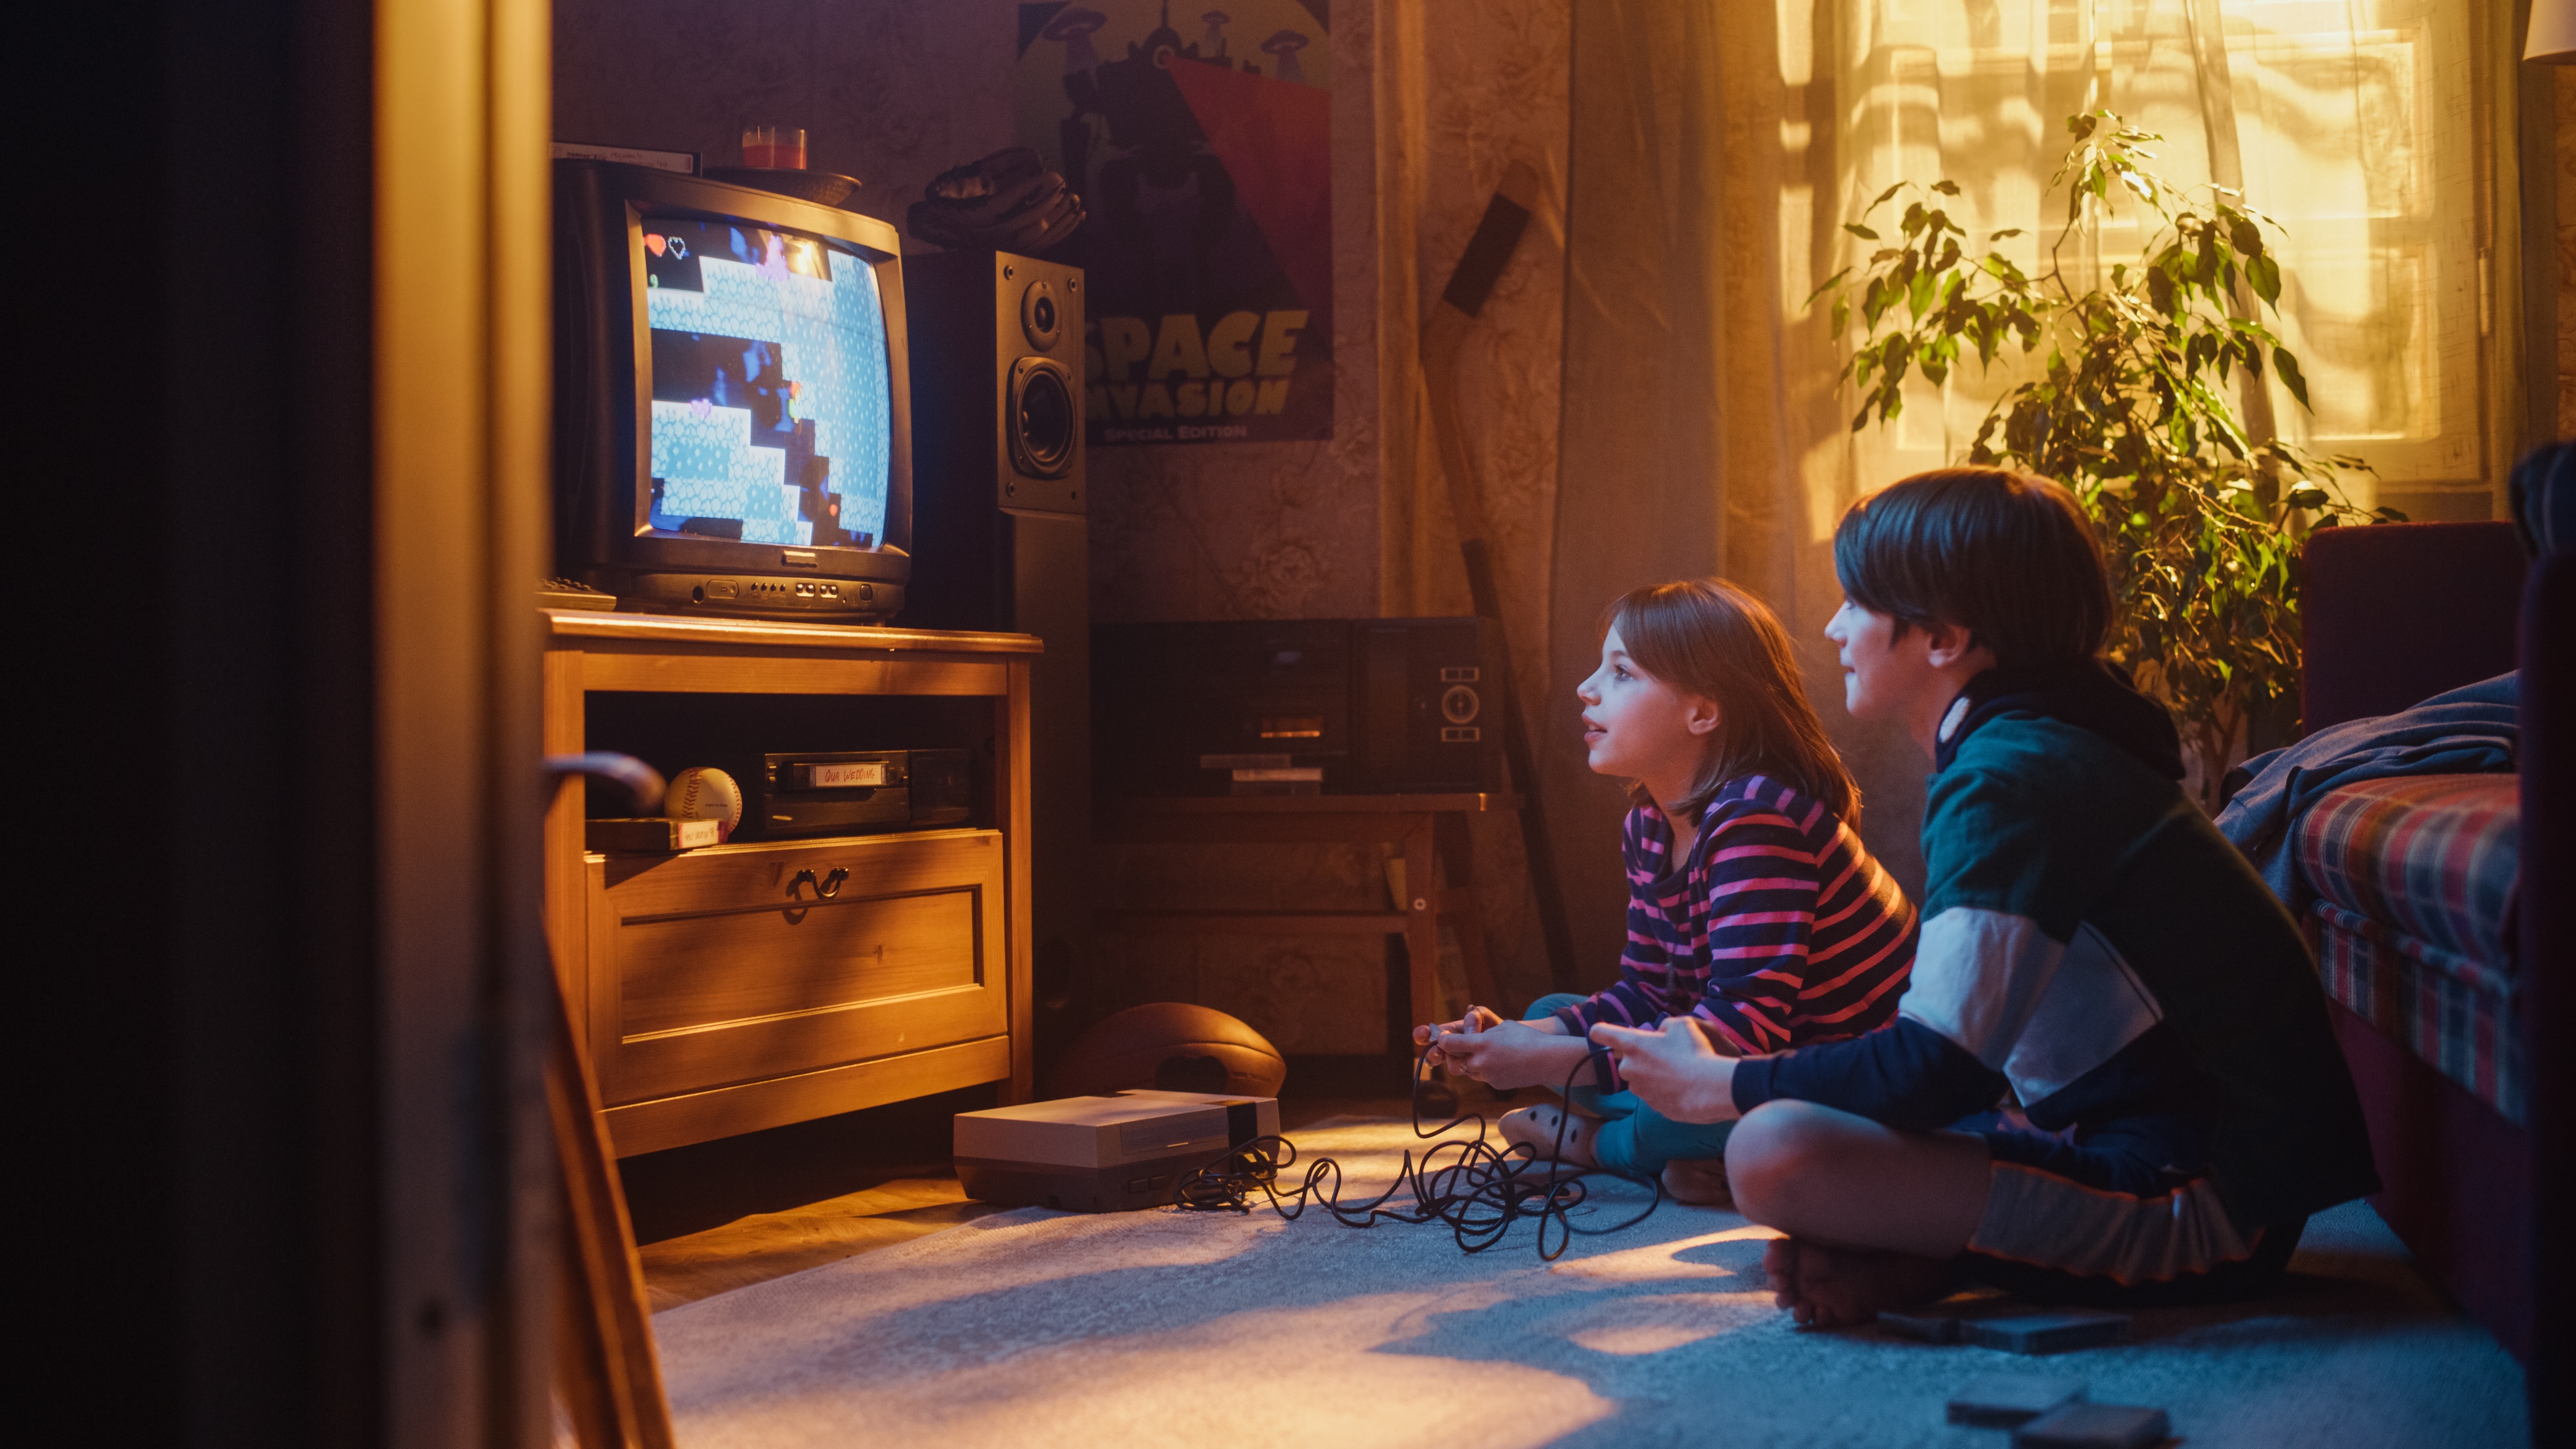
(1479, 1196)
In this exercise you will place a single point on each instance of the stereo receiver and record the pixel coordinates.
(1292, 706)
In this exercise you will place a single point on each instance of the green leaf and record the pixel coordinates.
(2160, 291)
(2248, 237)
(1858, 230)
(1842, 315)
(2265, 274)
(2223, 428)
(1882, 197)
(2007, 231)
(2291, 378)
(1946, 187)
(1913, 221)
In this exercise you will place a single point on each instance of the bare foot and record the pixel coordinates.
(1701, 1184)
(1837, 1287)
(1536, 1128)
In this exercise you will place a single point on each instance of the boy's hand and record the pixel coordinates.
(1673, 1069)
(1514, 1054)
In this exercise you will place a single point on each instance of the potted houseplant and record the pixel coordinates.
(2202, 517)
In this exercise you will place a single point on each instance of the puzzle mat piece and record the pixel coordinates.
(2055, 1332)
(2001, 1401)
(2094, 1426)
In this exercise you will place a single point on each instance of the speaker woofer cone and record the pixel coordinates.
(1045, 418)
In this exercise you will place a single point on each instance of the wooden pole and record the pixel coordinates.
(606, 1372)
(1506, 216)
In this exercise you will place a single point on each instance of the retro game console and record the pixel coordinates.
(1102, 1154)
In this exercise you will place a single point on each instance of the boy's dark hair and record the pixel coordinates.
(2006, 555)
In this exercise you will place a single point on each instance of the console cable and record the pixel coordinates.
(1479, 1195)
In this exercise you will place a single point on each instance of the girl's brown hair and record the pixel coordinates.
(1708, 637)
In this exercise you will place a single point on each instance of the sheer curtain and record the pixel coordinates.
(1717, 148)
(2366, 127)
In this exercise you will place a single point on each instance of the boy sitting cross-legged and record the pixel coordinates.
(2090, 945)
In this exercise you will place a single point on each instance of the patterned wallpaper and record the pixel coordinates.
(890, 93)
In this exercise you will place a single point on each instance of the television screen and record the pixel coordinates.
(772, 409)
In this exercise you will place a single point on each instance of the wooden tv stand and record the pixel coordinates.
(725, 990)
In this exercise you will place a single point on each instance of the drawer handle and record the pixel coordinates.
(824, 889)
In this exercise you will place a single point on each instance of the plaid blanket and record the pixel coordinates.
(2458, 1016)
(2415, 878)
(2434, 856)
(2471, 730)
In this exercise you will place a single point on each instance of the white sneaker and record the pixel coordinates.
(1536, 1128)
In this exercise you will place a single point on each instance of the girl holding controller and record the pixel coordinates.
(1752, 906)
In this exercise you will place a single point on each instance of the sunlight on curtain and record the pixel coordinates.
(2358, 124)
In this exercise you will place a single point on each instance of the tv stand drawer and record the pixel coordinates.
(734, 985)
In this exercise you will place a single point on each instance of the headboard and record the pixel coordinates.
(2395, 613)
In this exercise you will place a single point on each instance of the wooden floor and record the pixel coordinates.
(763, 1246)
(727, 1214)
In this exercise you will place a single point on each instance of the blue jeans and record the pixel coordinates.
(1635, 1137)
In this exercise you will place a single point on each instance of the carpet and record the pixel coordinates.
(1164, 1327)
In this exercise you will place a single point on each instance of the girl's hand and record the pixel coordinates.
(1477, 1019)
(1514, 1054)
(1674, 1069)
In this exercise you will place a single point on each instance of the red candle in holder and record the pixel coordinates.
(775, 148)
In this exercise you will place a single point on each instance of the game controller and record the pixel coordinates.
(1436, 1033)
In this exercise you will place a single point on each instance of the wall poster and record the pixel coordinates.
(1205, 164)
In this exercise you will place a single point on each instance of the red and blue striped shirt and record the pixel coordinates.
(1777, 931)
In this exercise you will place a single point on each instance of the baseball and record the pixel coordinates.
(703, 792)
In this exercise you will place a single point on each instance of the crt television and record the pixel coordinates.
(732, 411)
